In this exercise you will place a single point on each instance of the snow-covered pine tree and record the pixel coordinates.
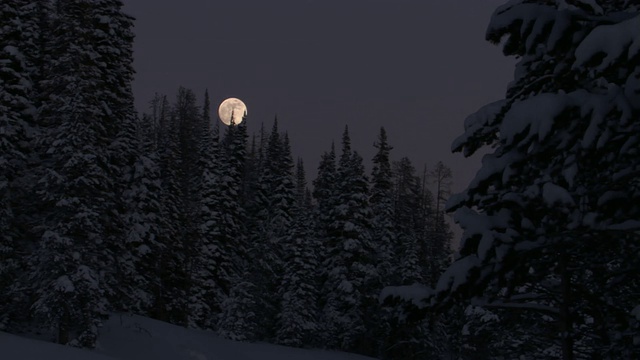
(284, 195)
(382, 206)
(172, 286)
(231, 227)
(139, 261)
(253, 197)
(297, 320)
(274, 201)
(351, 283)
(324, 190)
(437, 248)
(19, 37)
(409, 224)
(409, 335)
(213, 263)
(84, 91)
(189, 118)
(551, 219)
(114, 44)
(237, 319)
(301, 188)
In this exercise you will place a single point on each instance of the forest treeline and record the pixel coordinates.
(167, 216)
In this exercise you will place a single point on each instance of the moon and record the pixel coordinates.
(229, 107)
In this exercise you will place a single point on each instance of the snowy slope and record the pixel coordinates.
(127, 337)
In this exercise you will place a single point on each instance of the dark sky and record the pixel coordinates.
(416, 67)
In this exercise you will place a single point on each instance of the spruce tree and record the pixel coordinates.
(213, 262)
(438, 234)
(351, 282)
(381, 199)
(85, 90)
(139, 261)
(550, 221)
(324, 189)
(237, 319)
(18, 35)
(409, 222)
(171, 292)
(297, 321)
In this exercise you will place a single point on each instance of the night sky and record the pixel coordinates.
(416, 67)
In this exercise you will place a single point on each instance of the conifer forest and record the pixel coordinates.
(169, 214)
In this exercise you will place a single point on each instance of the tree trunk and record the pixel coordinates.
(63, 328)
(565, 321)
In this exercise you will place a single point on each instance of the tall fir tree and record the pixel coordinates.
(213, 262)
(237, 319)
(550, 221)
(352, 282)
(139, 260)
(382, 205)
(438, 234)
(409, 222)
(19, 36)
(275, 199)
(298, 316)
(172, 283)
(86, 87)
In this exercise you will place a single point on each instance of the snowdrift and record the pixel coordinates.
(127, 337)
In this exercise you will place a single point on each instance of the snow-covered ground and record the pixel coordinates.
(133, 337)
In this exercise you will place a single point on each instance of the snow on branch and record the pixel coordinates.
(612, 41)
(499, 304)
(477, 124)
(538, 23)
(416, 294)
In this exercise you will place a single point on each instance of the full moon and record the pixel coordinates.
(232, 107)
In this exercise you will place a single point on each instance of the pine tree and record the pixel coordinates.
(171, 292)
(85, 96)
(114, 43)
(551, 218)
(18, 35)
(324, 190)
(409, 222)
(190, 125)
(139, 261)
(274, 205)
(213, 261)
(352, 282)
(238, 318)
(297, 321)
(438, 235)
(381, 199)
(301, 189)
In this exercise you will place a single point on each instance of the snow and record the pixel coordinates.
(128, 337)
(537, 114)
(570, 170)
(64, 284)
(534, 17)
(609, 196)
(415, 293)
(15, 347)
(613, 40)
(632, 89)
(597, 9)
(626, 226)
(478, 121)
(554, 194)
(457, 274)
